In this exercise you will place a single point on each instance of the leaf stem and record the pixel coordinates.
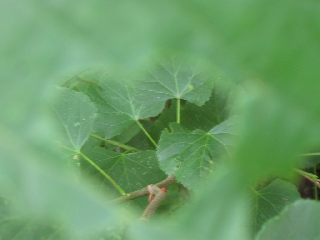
(87, 81)
(310, 175)
(178, 110)
(312, 180)
(146, 133)
(310, 154)
(122, 192)
(315, 186)
(115, 143)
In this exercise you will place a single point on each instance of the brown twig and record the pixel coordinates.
(312, 180)
(144, 191)
(159, 196)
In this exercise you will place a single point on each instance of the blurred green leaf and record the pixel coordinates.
(76, 114)
(309, 160)
(18, 227)
(297, 221)
(270, 200)
(273, 135)
(216, 213)
(213, 213)
(191, 156)
(83, 79)
(274, 43)
(274, 40)
(42, 189)
(28, 227)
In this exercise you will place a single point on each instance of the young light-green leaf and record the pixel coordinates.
(192, 155)
(270, 200)
(77, 115)
(174, 80)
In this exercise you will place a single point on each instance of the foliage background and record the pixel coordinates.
(272, 47)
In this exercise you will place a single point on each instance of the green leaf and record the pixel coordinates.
(130, 171)
(298, 221)
(162, 122)
(213, 112)
(252, 37)
(76, 114)
(174, 80)
(128, 133)
(215, 213)
(141, 141)
(271, 200)
(118, 107)
(50, 191)
(83, 79)
(212, 213)
(276, 41)
(18, 227)
(273, 136)
(309, 160)
(252, 40)
(192, 155)
(15, 226)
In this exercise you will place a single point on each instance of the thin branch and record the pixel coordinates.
(304, 173)
(144, 191)
(315, 186)
(312, 180)
(159, 196)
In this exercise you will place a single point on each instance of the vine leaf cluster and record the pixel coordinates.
(110, 108)
(128, 134)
